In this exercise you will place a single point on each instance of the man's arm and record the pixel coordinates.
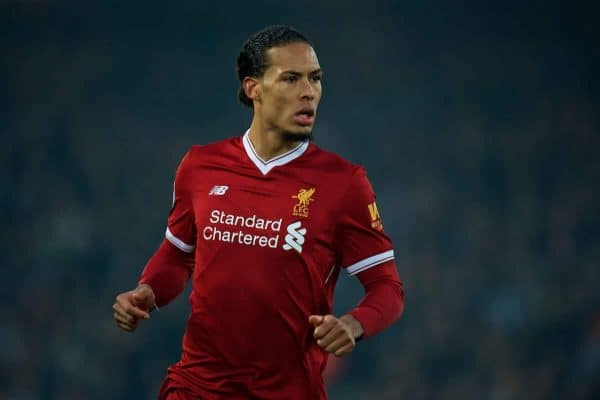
(163, 278)
(382, 304)
(366, 251)
(167, 272)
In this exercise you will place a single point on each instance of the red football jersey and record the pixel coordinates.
(270, 238)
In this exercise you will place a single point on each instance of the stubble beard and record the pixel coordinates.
(289, 136)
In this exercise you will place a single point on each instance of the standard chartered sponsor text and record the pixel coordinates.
(217, 231)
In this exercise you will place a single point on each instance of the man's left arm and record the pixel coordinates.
(365, 251)
(382, 304)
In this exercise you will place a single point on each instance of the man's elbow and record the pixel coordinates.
(396, 300)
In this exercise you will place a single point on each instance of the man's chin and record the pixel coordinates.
(303, 134)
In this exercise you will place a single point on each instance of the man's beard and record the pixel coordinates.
(297, 137)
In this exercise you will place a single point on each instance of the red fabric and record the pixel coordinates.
(181, 217)
(384, 298)
(267, 247)
(167, 272)
(175, 394)
(184, 383)
(359, 234)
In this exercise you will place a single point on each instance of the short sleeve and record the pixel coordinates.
(361, 242)
(181, 228)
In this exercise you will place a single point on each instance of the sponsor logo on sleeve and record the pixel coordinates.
(375, 218)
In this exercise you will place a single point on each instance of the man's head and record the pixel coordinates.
(280, 78)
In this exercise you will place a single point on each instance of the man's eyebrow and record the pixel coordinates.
(296, 73)
(291, 72)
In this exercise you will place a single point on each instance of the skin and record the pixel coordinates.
(291, 81)
(336, 335)
(134, 306)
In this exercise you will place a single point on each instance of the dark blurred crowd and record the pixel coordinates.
(483, 151)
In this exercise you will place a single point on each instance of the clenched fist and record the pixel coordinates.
(336, 335)
(133, 306)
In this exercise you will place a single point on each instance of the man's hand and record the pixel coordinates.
(336, 335)
(130, 307)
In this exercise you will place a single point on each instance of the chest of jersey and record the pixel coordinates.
(272, 216)
(263, 238)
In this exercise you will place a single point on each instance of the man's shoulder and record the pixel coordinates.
(326, 160)
(218, 148)
(220, 153)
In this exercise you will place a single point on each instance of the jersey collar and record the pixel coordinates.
(266, 166)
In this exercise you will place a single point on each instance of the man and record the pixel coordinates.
(263, 224)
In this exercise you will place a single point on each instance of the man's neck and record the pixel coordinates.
(269, 143)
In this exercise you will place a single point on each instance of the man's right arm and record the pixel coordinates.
(169, 269)
(167, 272)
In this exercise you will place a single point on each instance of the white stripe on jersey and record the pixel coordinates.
(180, 244)
(370, 262)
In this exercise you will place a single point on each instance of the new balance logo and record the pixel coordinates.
(295, 237)
(218, 190)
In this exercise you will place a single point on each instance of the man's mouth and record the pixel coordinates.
(305, 116)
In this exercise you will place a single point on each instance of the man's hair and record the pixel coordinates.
(252, 60)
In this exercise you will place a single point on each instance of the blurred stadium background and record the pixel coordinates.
(478, 126)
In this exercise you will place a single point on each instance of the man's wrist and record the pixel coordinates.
(355, 326)
(142, 285)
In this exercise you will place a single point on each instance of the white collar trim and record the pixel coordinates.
(266, 166)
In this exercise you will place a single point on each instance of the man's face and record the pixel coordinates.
(290, 89)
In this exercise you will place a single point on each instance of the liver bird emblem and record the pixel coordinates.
(304, 196)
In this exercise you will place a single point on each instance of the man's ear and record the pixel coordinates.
(252, 88)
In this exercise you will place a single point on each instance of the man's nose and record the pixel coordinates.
(308, 91)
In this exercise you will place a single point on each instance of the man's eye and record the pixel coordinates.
(316, 78)
(290, 78)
